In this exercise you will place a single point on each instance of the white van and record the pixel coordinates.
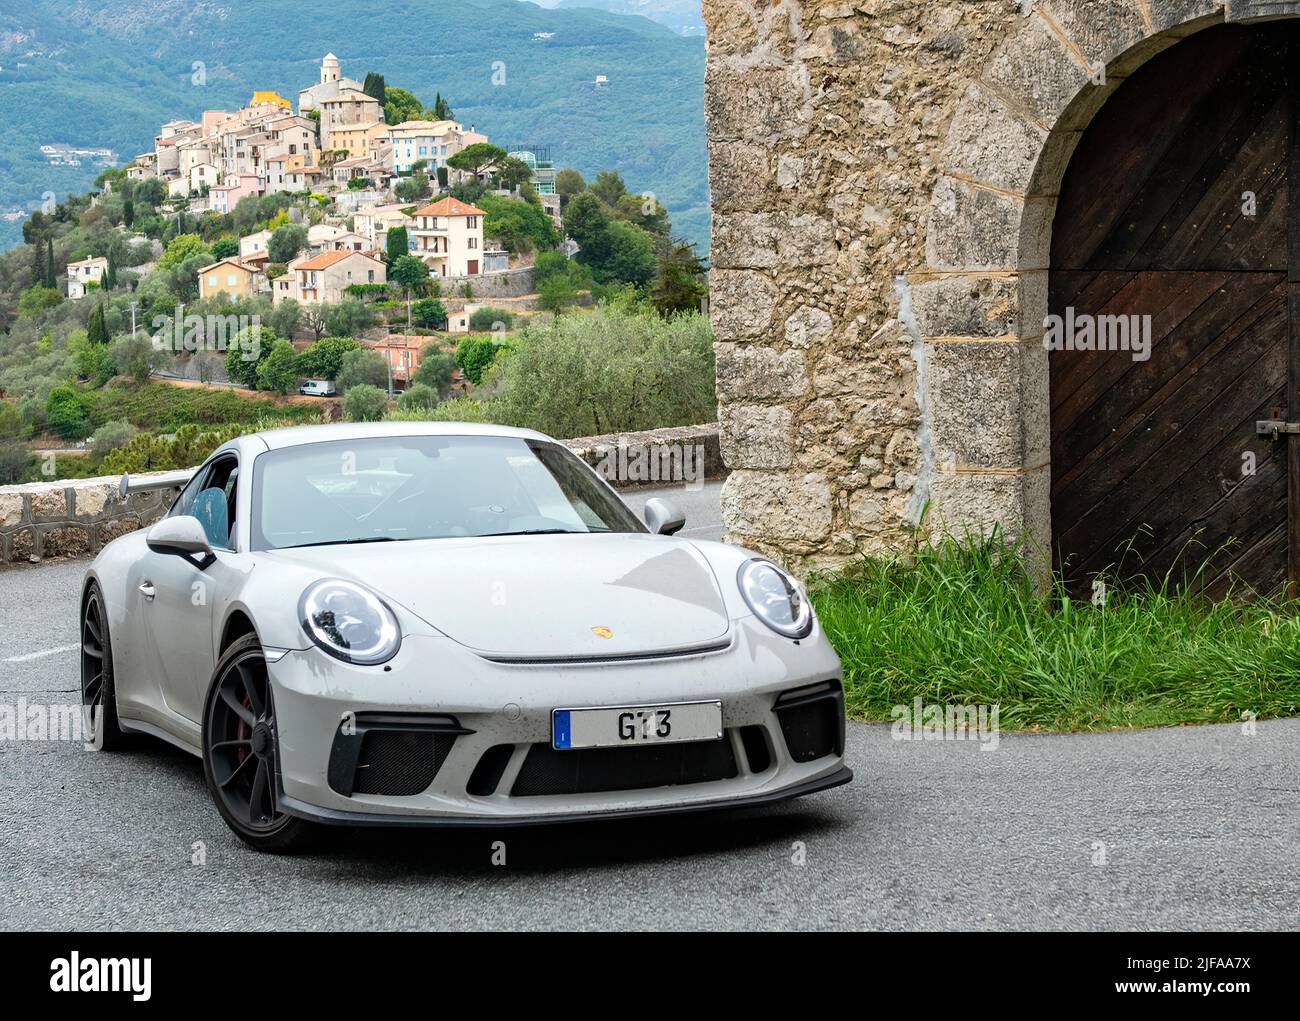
(317, 388)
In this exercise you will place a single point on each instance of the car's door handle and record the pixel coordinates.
(148, 590)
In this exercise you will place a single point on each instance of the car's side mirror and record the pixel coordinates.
(181, 536)
(662, 518)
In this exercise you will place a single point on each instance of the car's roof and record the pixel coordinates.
(300, 434)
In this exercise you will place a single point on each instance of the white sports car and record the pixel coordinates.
(400, 624)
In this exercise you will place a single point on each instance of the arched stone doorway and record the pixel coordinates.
(1018, 169)
(1170, 326)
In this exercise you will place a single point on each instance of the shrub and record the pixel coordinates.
(278, 371)
(418, 397)
(190, 445)
(165, 408)
(324, 359)
(633, 370)
(66, 413)
(435, 369)
(474, 355)
(111, 436)
(13, 463)
(363, 367)
(488, 318)
(136, 356)
(458, 409)
(365, 403)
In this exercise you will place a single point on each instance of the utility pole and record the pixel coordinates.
(134, 306)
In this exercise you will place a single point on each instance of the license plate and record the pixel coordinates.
(627, 726)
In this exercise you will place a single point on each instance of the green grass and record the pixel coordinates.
(962, 624)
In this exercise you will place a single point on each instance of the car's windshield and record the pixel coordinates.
(427, 487)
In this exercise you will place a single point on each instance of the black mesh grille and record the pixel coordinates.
(596, 770)
(400, 762)
(812, 721)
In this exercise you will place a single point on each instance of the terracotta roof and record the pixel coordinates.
(327, 259)
(450, 207)
(225, 262)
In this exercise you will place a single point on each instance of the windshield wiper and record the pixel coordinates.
(343, 542)
(534, 531)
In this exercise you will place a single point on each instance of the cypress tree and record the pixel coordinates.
(51, 280)
(96, 330)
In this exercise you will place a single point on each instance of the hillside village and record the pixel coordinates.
(336, 146)
(351, 253)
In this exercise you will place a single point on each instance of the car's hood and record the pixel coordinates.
(543, 596)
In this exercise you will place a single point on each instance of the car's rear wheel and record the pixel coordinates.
(240, 749)
(98, 693)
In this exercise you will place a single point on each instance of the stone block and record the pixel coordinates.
(991, 143)
(1037, 70)
(11, 509)
(748, 372)
(741, 304)
(111, 530)
(777, 505)
(66, 541)
(987, 404)
(756, 436)
(50, 504)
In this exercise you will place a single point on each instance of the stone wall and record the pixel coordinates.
(658, 457)
(883, 177)
(76, 517)
(510, 283)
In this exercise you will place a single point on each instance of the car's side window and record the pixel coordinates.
(184, 504)
(211, 497)
(215, 504)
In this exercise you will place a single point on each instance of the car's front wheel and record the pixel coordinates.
(240, 746)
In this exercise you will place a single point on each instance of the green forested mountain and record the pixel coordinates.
(91, 74)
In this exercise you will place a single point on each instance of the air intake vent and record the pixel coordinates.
(812, 721)
(597, 770)
(396, 755)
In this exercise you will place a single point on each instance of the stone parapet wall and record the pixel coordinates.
(689, 453)
(509, 283)
(77, 517)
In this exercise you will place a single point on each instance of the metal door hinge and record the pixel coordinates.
(1275, 427)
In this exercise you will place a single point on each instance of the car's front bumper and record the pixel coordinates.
(499, 715)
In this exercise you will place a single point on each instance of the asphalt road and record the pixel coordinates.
(1193, 828)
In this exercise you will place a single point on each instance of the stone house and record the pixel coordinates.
(326, 277)
(448, 236)
(229, 277)
(83, 273)
(903, 194)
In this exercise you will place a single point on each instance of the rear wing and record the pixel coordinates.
(153, 481)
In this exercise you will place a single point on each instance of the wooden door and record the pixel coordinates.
(1175, 209)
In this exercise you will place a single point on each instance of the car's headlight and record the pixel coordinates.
(775, 598)
(349, 622)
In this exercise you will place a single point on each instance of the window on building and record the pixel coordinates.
(473, 242)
